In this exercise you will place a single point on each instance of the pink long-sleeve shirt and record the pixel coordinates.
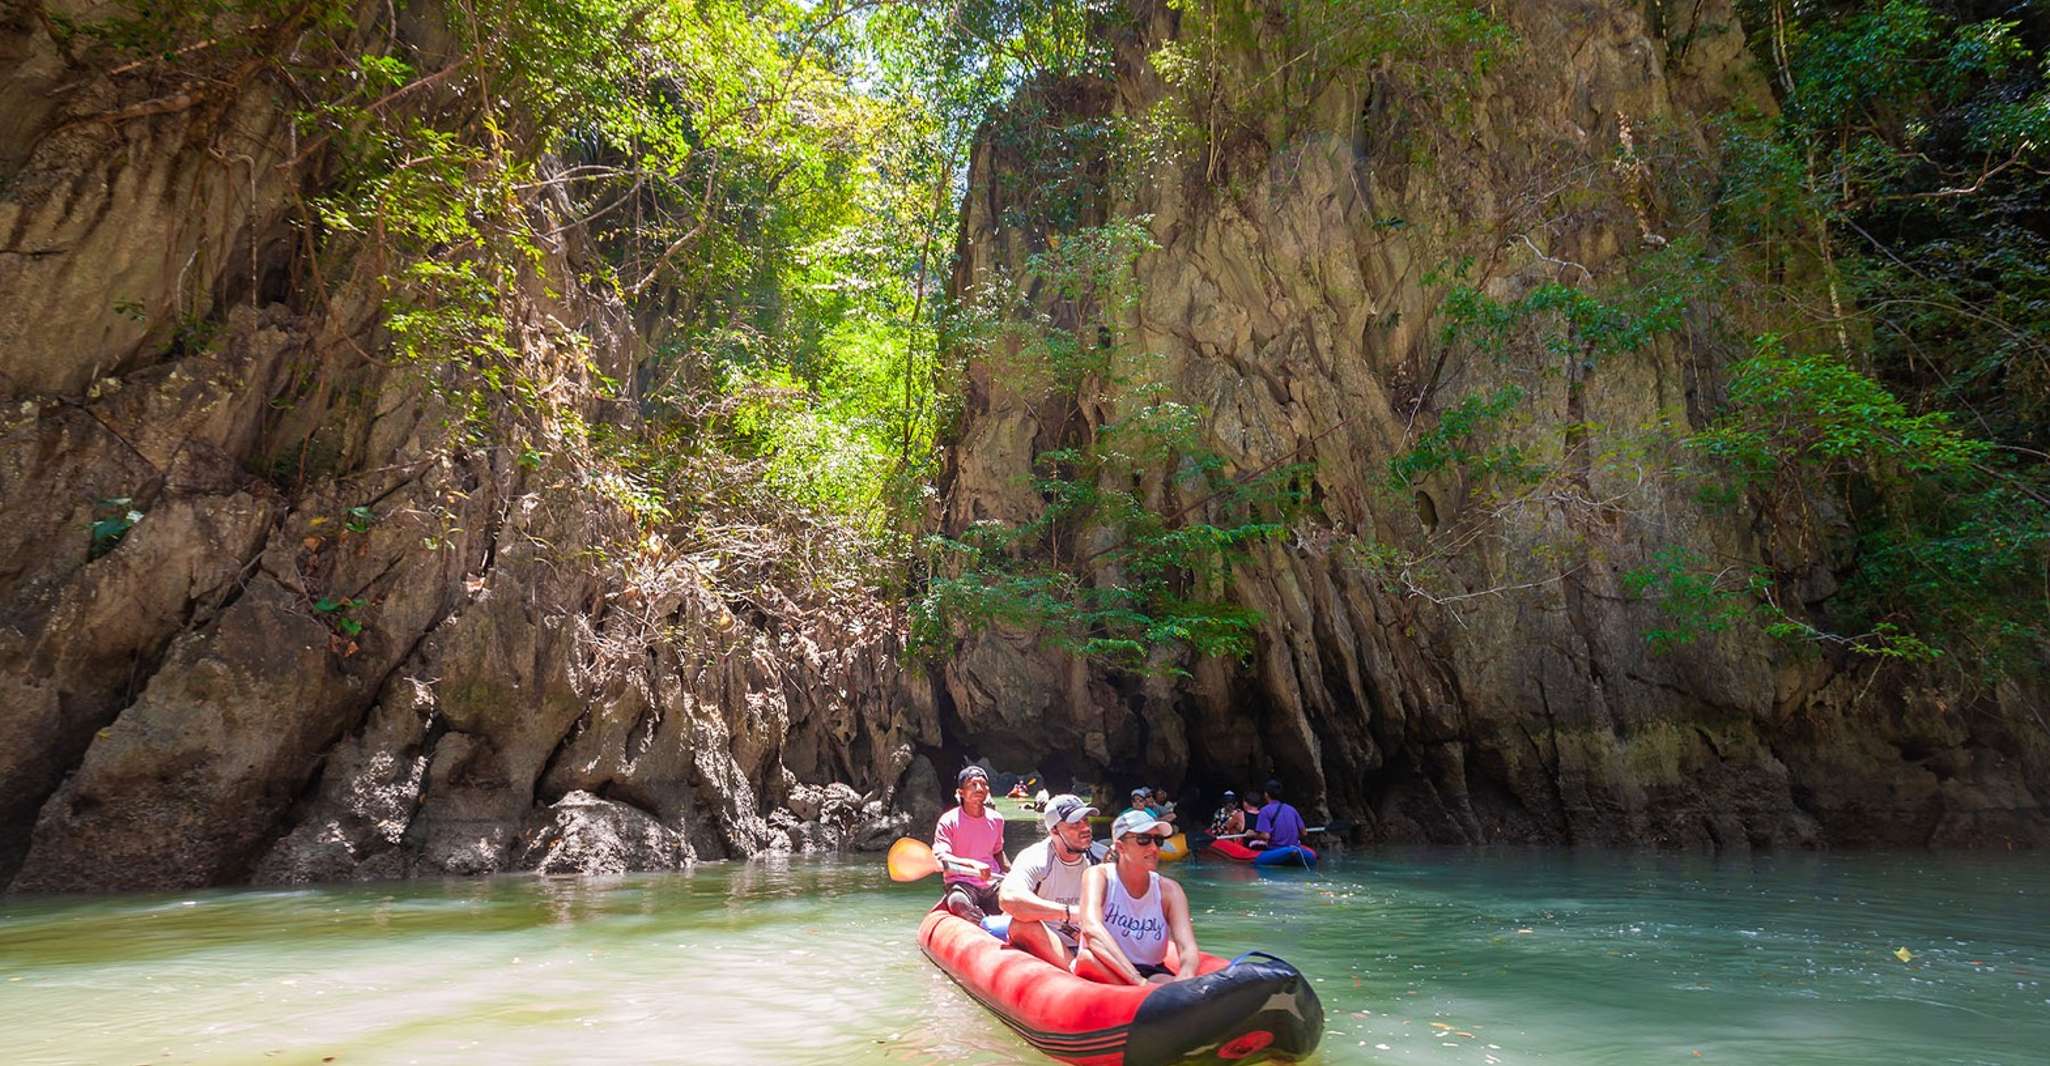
(967, 837)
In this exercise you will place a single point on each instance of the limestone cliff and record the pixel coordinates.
(264, 615)
(267, 614)
(1513, 698)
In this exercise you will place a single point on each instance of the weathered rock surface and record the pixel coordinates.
(584, 834)
(336, 642)
(1513, 698)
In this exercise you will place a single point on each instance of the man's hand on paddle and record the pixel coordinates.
(976, 867)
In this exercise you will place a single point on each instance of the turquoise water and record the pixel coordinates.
(1421, 956)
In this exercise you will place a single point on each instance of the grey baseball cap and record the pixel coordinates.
(1066, 807)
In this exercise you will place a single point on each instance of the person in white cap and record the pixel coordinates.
(1044, 888)
(1130, 914)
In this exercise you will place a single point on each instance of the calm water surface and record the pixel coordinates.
(1421, 956)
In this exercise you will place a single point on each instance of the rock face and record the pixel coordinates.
(1510, 697)
(263, 617)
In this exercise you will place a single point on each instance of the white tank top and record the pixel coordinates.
(1137, 925)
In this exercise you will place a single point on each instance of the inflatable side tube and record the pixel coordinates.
(1232, 850)
(1252, 1011)
(1293, 855)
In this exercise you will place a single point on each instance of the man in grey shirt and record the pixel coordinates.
(1044, 885)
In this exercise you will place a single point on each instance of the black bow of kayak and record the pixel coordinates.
(1258, 1008)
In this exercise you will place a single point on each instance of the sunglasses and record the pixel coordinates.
(1146, 839)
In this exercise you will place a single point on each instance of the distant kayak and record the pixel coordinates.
(1175, 848)
(1293, 855)
(1256, 1008)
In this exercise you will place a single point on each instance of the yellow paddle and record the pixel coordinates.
(911, 859)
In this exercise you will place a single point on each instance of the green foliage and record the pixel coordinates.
(1015, 323)
(1790, 414)
(1894, 209)
(1952, 543)
(837, 442)
(1911, 159)
(1157, 581)
(1574, 328)
(1254, 70)
(1592, 325)
(1453, 441)
(1696, 602)
(766, 184)
(970, 51)
(1575, 322)
(337, 612)
(118, 516)
(1108, 568)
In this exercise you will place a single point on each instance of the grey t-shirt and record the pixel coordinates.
(1037, 871)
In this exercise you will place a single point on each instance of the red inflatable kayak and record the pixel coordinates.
(1252, 1009)
(1293, 855)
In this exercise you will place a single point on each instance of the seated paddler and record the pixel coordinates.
(1043, 891)
(1135, 923)
(1230, 819)
(969, 842)
(1279, 824)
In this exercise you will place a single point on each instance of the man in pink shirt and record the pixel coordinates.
(969, 842)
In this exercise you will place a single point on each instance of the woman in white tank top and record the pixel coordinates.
(1130, 914)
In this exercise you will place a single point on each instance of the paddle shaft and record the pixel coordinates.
(1237, 836)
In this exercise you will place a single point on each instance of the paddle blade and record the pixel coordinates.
(911, 859)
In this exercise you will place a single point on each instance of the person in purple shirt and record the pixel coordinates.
(1279, 824)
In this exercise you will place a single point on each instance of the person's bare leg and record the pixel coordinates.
(1036, 938)
(1088, 968)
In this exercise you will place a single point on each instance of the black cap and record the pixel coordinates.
(968, 771)
(1230, 795)
(1273, 786)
